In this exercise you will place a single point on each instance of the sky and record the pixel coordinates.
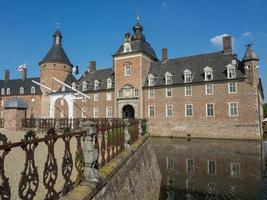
(94, 30)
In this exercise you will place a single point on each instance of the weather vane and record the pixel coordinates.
(57, 25)
(249, 44)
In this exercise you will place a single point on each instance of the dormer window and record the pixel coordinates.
(231, 71)
(84, 86)
(32, 90)
(63, 88)
(96, 85)
(21, 90)
(8, 91)
(188, 76)
(3, 91)
(109, 83)
(127, 47)
(151, 80)
(168, 78)
(73, 85)
(208, 73)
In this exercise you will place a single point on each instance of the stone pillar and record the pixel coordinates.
(127, 135)
(89, 152)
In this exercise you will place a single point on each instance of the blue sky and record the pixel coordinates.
(94, 30)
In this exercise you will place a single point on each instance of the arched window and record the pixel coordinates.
(8, 91)
(3, 91)
(21, 90)
(32, 90)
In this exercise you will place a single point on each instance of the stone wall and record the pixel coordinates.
(133, 174)
(13, 118)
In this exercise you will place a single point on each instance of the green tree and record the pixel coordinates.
(265, 110)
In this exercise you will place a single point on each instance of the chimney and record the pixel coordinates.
(227, 44)
(24, 74)
(6, 75)
(92, 66)
(164, 55)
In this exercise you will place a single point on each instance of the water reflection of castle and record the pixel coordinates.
(204, 169)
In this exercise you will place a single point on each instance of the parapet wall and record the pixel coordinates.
(134, 174)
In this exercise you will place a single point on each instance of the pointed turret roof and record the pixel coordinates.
(56, 53)
(250, 54)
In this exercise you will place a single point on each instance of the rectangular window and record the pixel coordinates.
(169, 110)
(96, 97)
(151, 111)
(120, 94)
(235, 169)
(169, 163)
(211, 167)
(108, 112)
(168, 80)
(109, 84)
(128, 70)
(151, 80)
(209, 89)
(136, 92)
(188, 90)
(151, 93)
(189, 166)
(208, 75)
(209, 109)
(233, 109)
(84, 112)
(96, 85)
(96, 112)
(168, 92)
(188, 77)
(188, 110)
(232, 87)
(109, 96)
(231, 72)
(189, 184)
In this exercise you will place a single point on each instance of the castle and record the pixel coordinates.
(212, 95)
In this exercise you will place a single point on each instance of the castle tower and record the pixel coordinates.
(55, 64)
(131, 65)
(251, 63)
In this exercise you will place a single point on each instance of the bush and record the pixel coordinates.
(265, 110)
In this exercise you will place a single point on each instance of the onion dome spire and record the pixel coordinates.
(138, 29)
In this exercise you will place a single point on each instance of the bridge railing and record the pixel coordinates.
(83, 151)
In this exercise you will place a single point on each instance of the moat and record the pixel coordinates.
(211, 169)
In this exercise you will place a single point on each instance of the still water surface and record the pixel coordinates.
(211, 169)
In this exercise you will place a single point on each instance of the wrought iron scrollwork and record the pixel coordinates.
(29, 181)
(50, 169)
(5, 192)
(67, 164)
(79, 161)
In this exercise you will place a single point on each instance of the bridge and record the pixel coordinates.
(79, 159)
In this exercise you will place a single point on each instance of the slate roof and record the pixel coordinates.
(15, 84)
(56, 54)
(250, 54)
(217, 61)
(101, 75)
(69, 80)
(15, 102)
(139, 46)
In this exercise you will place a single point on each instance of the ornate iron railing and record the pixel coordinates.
(108, 139)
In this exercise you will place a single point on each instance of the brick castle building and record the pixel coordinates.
(213, 95)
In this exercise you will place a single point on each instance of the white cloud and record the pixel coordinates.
(217, 40)
(164, 5)
(247, 34)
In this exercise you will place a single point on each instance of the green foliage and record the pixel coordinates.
(265, 110)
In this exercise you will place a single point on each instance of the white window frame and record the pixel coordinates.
(21, 90)
(233, 174)
(149, 109)
(213, 110)
(8, 91)
(109, 96)
(229, 87)
(128, 70)
(109, 83)
(169, 163)
(186, 90)
(206, 71)
(32, 90)
(84, 85)
(231, 70)
(96, 85)
(73, 85)
(188, 170)
(168, 78)
(188, 72)
(229, 109)
(150, 92)
(192, 110)
(168, 90)
(208, 167)
(63, 88)
(167, 110)
(96, 112)
(136, 93)
(207, 89)
(109, 112)
(3, 91)
(151, 80)
(84, 112)
(96, 97)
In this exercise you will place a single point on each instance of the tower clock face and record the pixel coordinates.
(127, 93)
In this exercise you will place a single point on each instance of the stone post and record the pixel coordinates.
(89, 152)
(127, 135)
(142, 126)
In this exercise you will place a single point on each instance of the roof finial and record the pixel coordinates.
(57, 25)
(249, 45)
(137, 17)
